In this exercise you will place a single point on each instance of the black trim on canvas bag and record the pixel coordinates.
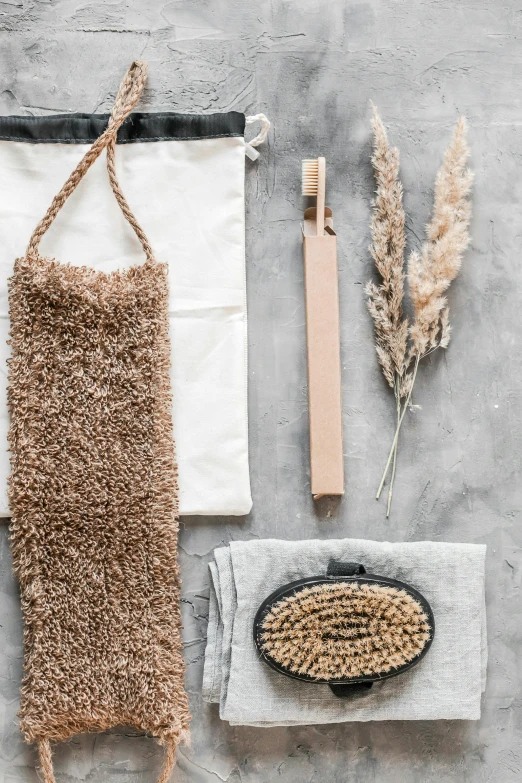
(81, 128)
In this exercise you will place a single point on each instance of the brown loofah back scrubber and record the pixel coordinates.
(93, 488)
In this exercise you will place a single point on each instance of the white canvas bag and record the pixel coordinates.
(184, 179)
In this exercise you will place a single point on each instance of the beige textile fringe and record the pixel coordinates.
(93, 488)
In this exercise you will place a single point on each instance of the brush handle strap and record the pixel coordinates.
(338, 568)
(343, 691)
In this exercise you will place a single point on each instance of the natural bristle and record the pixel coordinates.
(310, 177)
(345, 630)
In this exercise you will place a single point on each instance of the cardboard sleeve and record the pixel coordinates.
(324, 362)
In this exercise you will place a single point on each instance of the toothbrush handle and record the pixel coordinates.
(321, 191)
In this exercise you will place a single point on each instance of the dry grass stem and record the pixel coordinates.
(400, 345)
(431, 272)
(387, 250)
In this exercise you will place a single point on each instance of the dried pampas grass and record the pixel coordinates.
(431, 272)
(387, 249)
(401, 345)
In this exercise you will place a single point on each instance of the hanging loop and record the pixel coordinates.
(128, 93)
(126, 99)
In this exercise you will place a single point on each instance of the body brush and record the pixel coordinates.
(322, 337)
(346, 629)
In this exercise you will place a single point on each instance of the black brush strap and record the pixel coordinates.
(338, 568)
(342, 691)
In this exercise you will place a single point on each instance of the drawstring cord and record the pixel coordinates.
(250, 150)
(265, 127)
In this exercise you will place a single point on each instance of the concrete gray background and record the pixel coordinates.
(312, 66)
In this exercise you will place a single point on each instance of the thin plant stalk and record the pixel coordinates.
(394, 466)
(399, 424)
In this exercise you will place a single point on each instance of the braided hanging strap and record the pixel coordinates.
(125, 95)
(168, 764)
(46, 762)
(126, 99)
(122, 201)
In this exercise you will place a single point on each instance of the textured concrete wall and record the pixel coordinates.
(312, 66)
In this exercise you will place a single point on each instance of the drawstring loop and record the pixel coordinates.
(250, 146)
(263, 133)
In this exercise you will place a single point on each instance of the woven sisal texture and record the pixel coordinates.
(93, 493)
(93, 488)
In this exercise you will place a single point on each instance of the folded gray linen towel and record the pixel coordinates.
(446, 684)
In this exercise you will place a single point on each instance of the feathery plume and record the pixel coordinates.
(400, 346)
(387, 250)
(431, 272)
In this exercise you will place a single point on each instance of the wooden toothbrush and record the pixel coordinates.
(322, 337)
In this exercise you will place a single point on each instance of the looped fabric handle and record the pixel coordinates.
(46, 761)
(126, 99)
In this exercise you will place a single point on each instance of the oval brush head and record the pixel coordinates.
(344, 630)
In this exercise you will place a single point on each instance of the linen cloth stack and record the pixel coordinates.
(446, 684)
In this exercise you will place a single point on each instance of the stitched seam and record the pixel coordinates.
(120, 141)
(82, 115)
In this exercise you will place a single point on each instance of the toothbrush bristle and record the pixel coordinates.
(310, 177)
